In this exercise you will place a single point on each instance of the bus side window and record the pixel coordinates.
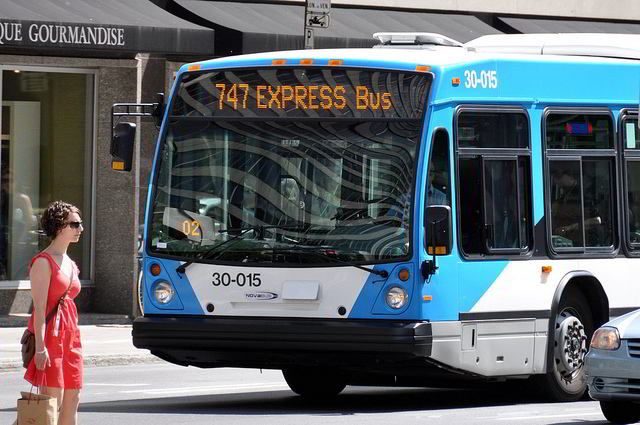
(631, 152)
(633, 199)
(501, 200)
(581, 161)
(470, 207)
(438, 186)
(566, 207)
(495, 182)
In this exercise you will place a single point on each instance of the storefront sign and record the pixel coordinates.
(25, 33)
(43, 37)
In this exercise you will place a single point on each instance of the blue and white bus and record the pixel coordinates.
(418, 213)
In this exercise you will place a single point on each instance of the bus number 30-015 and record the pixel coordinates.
(484, 79)
(240, 279)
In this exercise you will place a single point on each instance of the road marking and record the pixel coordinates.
(211, 389)
(84, 342)
(95, 384)
(567, 415)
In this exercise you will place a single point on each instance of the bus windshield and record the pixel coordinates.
(288, 184)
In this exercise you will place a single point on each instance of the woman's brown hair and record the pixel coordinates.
(54, 217)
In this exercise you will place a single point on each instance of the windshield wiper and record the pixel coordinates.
(182, 267)
(382, 273)
(259, 229)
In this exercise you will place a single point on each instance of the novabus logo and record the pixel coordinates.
(261, 296)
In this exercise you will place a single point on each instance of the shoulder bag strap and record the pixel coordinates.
(54, 310)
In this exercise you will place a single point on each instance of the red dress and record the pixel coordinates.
(65, 350)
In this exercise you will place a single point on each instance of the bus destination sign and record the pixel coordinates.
(302, 93)
(237, 96)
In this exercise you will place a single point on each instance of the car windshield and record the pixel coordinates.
(291, 188)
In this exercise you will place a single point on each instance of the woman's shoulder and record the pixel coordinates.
(40, 264)
(42, 256)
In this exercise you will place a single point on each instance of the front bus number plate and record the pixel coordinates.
(300, 290)
(239, 279)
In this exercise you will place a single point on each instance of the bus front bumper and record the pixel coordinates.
(282, 342)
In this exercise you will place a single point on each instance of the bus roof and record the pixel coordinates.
(595, 69)
(603, 48)
(624, 46)
(435, 56)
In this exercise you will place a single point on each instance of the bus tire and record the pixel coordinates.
(565, 379)
(620, 412)
(315, 383)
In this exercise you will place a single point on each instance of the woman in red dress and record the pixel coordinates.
(57, 366)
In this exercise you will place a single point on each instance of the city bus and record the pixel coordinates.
(421, 213)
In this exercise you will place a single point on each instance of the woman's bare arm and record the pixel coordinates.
(40, 276)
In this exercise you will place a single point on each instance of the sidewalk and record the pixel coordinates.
(106, 341)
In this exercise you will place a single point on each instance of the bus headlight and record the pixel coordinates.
(163, 292)
(396, 297)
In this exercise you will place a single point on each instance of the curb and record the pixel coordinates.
(92, 361)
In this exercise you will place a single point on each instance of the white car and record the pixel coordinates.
(613, 368)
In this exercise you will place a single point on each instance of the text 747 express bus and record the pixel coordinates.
(418, 213)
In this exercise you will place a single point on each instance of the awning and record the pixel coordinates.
(541, 26)
(109, 26)
(264, 27)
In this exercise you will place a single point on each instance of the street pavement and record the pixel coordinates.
(106, 341)
(158, 392)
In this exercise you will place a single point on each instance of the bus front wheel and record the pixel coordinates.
(315, 383)
(565, 379)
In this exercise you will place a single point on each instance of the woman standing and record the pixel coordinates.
(57, 366)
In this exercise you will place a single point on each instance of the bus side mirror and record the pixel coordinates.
(122, 142)
(437, 236)
(158, 110)
(437, 230)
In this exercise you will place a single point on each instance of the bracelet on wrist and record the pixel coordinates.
(43, 351)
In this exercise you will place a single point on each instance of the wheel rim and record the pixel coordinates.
(570, 350)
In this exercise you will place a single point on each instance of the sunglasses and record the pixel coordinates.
(74, 224)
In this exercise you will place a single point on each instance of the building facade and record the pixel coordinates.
(62, 66)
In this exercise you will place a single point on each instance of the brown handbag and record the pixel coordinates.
(28, 339)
